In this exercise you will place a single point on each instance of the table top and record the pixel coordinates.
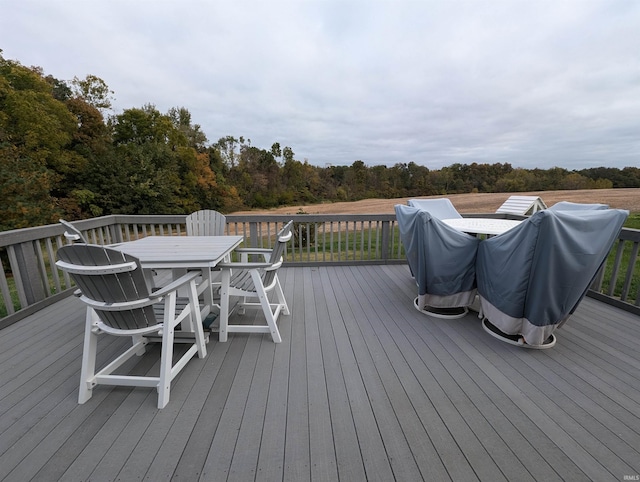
(180, 251)
(489, 226)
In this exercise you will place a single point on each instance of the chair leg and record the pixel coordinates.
(166, 357)
(139, 340)
(266, 307)
(281, 299)
(89, 351)
(196, 320)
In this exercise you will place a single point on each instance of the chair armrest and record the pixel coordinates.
(246, 252)
(254, 250)
(119, 306)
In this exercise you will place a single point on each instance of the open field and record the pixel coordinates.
(470, 203)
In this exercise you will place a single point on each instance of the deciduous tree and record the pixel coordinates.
(94, 91)
(36, 130)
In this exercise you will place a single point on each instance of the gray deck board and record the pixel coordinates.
(363, 387)
(347, 450)
(270, 464)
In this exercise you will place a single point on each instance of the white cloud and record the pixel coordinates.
(536, 84)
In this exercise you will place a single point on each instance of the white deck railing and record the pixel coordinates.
(29, 282)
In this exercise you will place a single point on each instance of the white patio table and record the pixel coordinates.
(183, 252)
(489, 226)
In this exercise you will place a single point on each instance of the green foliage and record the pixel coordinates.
(25, 184)
(93, 90)
(59, 156)
(35, 131)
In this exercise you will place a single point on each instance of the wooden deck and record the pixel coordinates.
(363, 387)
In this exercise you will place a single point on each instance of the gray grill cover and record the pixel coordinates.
(531, 278)
(441, 259)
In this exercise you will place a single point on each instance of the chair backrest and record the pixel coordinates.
(569, 206)
(523, 205)
(72, 233)
(107, 276)
(206, 223)
(282, 238)
(441, 208)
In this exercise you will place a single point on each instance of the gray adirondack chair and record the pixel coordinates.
(119, 303)
(252, 282)
(206, 223)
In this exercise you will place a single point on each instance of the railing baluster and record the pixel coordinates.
(6, 293)
(628, 278)
(44, 278)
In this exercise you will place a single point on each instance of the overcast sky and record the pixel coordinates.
(532, 83)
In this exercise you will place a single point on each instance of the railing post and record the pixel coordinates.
(27, 261)
(386, 240)
(253, 234)
(116, 233)
(596, 284)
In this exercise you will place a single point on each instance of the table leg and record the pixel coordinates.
(207, 293)
(224, 304)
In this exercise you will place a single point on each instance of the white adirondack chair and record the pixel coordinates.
(440, 208)
(254, 281)
(523, 205)
(119, 303)
(206, 223)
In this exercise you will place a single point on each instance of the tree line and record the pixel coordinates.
(64, 154)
